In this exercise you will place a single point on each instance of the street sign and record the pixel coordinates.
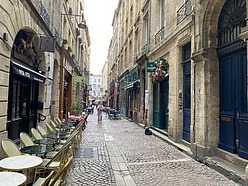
(150, 66)
(78, 79)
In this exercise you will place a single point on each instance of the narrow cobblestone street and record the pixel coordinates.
(118, 153)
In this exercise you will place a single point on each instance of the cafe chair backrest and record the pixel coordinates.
(60, 155)
(42, 130)
(49, 127)
(10, 148)
(26, 139)
(44, 181)
(53, 124)
(36, 134)
(58, 121)
(59, 177)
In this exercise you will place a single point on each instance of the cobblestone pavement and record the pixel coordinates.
(118, 153)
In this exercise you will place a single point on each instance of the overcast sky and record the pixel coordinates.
(99, 16)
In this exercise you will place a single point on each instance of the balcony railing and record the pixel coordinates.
(144, 49)
(57, 35)
(144, 53)
(44, 14)
(185, 10)
(159, 36)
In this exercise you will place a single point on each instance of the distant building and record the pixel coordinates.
(95, 93)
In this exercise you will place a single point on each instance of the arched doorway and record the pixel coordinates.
(24, 83)
(232, 55)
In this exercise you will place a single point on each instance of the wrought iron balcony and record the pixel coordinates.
(159, 36)
(144, 49)
(44, 14)
(185, 10)
(143, 54)
(57, 35)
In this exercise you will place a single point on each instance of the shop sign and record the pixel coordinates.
(78, 79)
(150, 66)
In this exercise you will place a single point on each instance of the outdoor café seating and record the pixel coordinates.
(54, 163)
(54, 155)
(42, 130)
(54, 178)
(10, 148)
(26, 140)
(36, 134)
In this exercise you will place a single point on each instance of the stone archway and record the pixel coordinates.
(26, 77)
(206, 72)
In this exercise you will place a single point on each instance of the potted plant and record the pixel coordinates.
(77, 108)
(161, 70)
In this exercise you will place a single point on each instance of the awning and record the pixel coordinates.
(24, 70)
(133, 84)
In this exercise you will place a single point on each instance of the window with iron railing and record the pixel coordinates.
(159, 36)
(185, 10)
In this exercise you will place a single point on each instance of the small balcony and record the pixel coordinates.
(44, 14)
(142, 55)
(185, 10)
(159, 36)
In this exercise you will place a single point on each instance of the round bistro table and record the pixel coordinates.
(20, 163)
(12, 178)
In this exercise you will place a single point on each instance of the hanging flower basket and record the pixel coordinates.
(161, 70)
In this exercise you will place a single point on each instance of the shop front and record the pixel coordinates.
(133, 94)
(25, 80)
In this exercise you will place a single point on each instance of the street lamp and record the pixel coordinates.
(82, 24)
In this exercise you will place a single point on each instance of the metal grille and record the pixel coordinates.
(185, 10)
(231, 20)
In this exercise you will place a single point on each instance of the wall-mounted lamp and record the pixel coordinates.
(82, 24)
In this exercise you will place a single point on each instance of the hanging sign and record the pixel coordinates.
(78, 79)
(150, 66)
(47, 44)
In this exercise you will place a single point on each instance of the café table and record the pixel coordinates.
(46, 141)
(36, 149)
(56, 135)
(12, 178)
(20, 163)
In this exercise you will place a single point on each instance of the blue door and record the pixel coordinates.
(233, 125)
(233, 103)
(186, 91)
(186, 100)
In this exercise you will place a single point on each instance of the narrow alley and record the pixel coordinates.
(118, 153)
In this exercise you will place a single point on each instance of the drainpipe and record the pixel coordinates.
(149, 111)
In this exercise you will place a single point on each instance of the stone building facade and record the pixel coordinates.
(33, 62)
(201, 98)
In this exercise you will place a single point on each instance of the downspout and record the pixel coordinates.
(61, 86)
(148, 111)
(194, 91)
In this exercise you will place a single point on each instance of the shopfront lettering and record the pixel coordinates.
(23, 73)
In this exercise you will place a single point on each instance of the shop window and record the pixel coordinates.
(15, 113)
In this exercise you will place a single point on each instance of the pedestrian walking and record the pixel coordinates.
(99, 113)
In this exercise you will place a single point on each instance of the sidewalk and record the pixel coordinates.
(118, 153)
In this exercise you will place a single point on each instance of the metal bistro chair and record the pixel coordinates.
(42, 130)
(55, 163)
(10, 148)
(43, 181)
(26, 139)
(49, 127)
(36, 134)
(58, 178)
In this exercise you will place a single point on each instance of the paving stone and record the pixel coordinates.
(117, 153)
